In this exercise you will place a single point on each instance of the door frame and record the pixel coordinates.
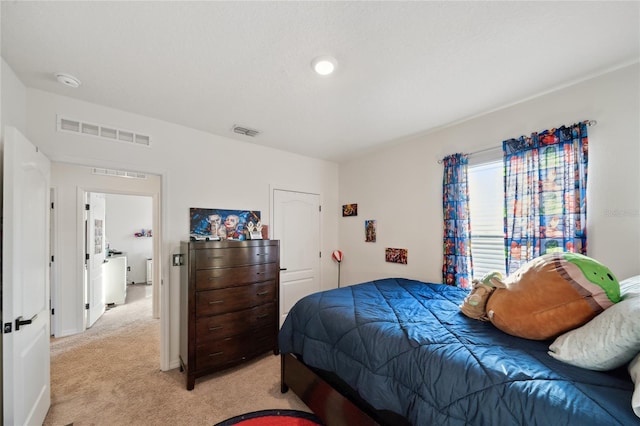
(53, 269)
(160, 291)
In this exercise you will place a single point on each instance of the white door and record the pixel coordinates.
(95, 256)
(25, 282)
(296, 223)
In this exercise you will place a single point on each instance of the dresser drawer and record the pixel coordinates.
(235, 348)
(230, 277)
(214, 302)
(225, 325)
(236, 256)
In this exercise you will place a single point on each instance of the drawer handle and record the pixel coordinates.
(262, 316)
(262, 293)
(213, 302)
(261, 254)
(214, 257)
(219, 327)
(215, 354)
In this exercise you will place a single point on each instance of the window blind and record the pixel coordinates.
(486, 206)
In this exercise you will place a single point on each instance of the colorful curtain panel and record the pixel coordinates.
(545, 194)
(457, 265)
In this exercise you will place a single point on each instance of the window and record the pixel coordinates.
(531, 202)
(486, 207)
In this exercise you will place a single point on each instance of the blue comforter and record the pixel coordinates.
(405, 347)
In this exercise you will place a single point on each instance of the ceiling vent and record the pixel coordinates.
(102, 132)
(118, 173)
(245, 131)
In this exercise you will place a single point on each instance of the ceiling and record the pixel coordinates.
(404, 68)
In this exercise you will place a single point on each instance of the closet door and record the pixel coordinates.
(296, 223)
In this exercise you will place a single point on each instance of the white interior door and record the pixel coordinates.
(96, 248)
(296, 223)
(25, 282)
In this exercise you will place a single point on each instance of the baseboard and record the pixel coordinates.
(174, 363)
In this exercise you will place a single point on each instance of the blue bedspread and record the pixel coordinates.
(405, 347)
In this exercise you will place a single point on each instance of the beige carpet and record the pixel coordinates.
(110, 375)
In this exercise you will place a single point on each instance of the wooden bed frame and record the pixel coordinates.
(332, 400)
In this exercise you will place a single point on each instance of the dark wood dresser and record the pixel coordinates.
(229, 302)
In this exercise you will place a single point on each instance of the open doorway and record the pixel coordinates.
(118, 254)
(71, 184)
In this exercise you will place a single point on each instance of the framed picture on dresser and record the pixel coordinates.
(221, 224)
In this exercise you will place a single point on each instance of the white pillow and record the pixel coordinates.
(634, 371)
(608, 341)
(630, 287)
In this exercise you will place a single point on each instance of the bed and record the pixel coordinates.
(398, 351)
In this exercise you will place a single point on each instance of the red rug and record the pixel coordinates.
(273, 418)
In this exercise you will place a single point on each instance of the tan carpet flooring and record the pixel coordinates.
(110, 375)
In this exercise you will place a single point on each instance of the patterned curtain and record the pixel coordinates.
(545, 194)
(457, 265)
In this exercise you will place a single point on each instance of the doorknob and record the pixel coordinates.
(20, 321)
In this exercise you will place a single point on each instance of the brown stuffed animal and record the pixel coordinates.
(552, 294)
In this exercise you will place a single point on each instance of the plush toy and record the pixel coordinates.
(552, 294)
(474, 305)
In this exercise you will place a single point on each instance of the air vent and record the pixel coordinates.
(102, 132)
(118, 173)
(245, 131)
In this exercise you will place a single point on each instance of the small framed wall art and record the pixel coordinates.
(349, 210)
(370, 231)
(98, 234)
(395, 255)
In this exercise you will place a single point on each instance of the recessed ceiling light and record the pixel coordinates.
(68, 80)
(324, 65)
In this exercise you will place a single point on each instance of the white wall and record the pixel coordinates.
(401, 186)
(197, 170)
(13, 108)
(126, 215)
